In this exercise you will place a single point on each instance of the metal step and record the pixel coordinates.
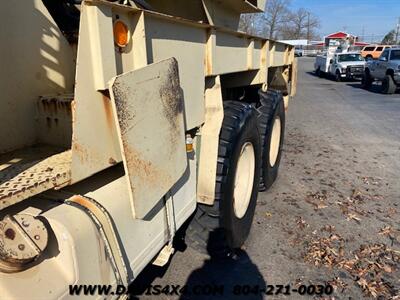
(31, 171)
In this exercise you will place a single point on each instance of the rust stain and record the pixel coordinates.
(48, 122)
(10, 234)
(144, 170)
(81, 151)
(83, 202)
(112, 161)
(208, 63)
(125, 111)
(171, 97)
(73, 111)
(55, 107)
(108, 109)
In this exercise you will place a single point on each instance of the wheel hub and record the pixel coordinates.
(244, 179)
(275, 141)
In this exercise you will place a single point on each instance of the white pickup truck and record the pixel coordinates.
(386, 69)
(348, 65)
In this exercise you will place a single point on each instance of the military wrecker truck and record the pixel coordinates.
(123, 121)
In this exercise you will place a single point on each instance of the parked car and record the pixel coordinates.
(347, 65)
(386, 69)
(374, 51)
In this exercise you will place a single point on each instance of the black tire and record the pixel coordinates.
(366, 81)
(216, 229)
(272, 107)
(388, 85)
(338, 78)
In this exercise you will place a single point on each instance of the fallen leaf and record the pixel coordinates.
(363, 283)
(353, 217)
(387, 230)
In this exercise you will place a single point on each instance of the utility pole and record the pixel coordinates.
(397, 31)
(308, 27)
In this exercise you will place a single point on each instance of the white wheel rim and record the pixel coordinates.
(244, 179)
(275, 142)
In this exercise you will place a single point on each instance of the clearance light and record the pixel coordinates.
(189, 144)
(121, 34)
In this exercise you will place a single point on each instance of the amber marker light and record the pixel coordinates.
(121, 34)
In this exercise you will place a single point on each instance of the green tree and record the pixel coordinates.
(389, 38)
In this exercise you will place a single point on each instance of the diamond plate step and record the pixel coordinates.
(31, 171)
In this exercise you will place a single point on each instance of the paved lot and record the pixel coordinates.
(334, 213)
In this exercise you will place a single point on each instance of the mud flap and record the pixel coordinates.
(148, 109)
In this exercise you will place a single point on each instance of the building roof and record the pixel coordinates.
(295, 42)
(338, 35)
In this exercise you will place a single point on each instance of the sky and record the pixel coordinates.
(373, 17)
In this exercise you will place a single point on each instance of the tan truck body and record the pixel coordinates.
(94, 135)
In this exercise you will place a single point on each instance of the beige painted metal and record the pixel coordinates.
(102, 50)
(244, 178)
(54, 120)
(36, 60)
(106, 228)
(241, 51)
(23, 238)
(220, 13)
(75, 254)
(154, 37)
(165, 39)
(148, 105)
(227, 13)
(165, 254)
(95, 144)
(209, 141)
(286, 90)
(208, 61)
(275, 141)
(188, 9)
(30, 171)
(293, 85)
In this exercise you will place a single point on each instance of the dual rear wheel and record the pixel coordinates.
(250, 149)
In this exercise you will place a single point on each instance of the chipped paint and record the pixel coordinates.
(149, 108)
(102, 219)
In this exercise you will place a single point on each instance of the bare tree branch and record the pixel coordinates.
(278, 22)
(276, 14)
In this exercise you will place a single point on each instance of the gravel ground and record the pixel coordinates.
(332, 217)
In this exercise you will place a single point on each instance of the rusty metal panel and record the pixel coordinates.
(30, 171)
(54, 120)
(148, 107)
(95, 144)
